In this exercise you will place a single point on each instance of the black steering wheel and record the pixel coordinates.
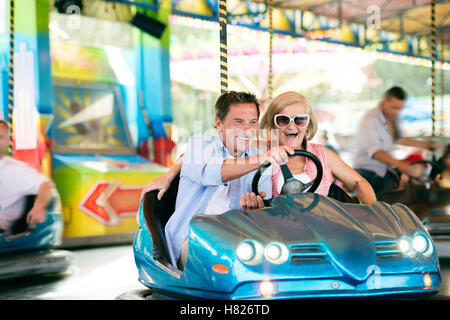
(291, 185)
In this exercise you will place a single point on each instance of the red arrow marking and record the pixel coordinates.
(108, 207)
(90, 203)
(125, 200)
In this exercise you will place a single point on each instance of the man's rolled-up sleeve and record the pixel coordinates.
(202, 162)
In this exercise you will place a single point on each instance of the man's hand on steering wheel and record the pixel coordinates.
(250, 200)
(427, 170)
(291, 185)
(413, 170)
(276, 156)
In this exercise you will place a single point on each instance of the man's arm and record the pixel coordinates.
(38, 213)
(236, 168)
(402, 165)
(425, 144)
(231, 169)
(202, 165)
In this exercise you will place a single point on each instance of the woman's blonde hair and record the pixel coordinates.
(282, 101)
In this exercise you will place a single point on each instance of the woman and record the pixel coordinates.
(291, 114)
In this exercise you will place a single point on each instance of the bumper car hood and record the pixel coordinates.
(348, 231)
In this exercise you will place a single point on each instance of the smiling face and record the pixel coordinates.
(392, 107)
(290, 104)
(239, 127)
(292, 135)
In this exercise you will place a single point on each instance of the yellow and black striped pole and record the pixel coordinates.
(223, 46)
(270, 77)
(433, 67)
(11, 76)
(442, 86)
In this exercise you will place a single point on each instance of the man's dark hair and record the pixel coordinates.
(228, 98)
(397, 93)
(4, 123)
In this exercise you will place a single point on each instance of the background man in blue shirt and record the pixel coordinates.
(218, 169)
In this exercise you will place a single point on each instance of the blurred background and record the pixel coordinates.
(101, 94)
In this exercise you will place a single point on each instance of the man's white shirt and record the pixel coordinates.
(17, 180)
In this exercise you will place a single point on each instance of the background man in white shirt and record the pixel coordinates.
(378, 132)
(17, 180)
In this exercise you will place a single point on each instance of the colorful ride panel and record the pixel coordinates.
(100, 195)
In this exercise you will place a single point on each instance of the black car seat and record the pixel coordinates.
(156, 214)
(438, 169)
(339, 194)
(21, 225)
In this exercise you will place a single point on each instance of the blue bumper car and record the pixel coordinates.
(29, 252)
(304, 245)
(427, 199)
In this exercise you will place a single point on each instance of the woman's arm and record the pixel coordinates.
(350, 178)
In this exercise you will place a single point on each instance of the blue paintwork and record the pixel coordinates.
(74, 159)
(336, 249)
(45, 235)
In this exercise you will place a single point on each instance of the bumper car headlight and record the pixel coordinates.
(276, 253)
(250, 252)
(266, 288)
(404, 246)
(245, 251)
(430, 249)
(420, 243)
(423, 244)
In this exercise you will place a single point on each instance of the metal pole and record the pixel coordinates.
(442, 87)
(11, 77)
(270, 77)
(433, 67)
(223, 46)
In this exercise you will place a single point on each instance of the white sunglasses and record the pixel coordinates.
(283, 121)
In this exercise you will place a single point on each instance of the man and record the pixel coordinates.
(17, 180)
(377, 133)
(215, 169)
